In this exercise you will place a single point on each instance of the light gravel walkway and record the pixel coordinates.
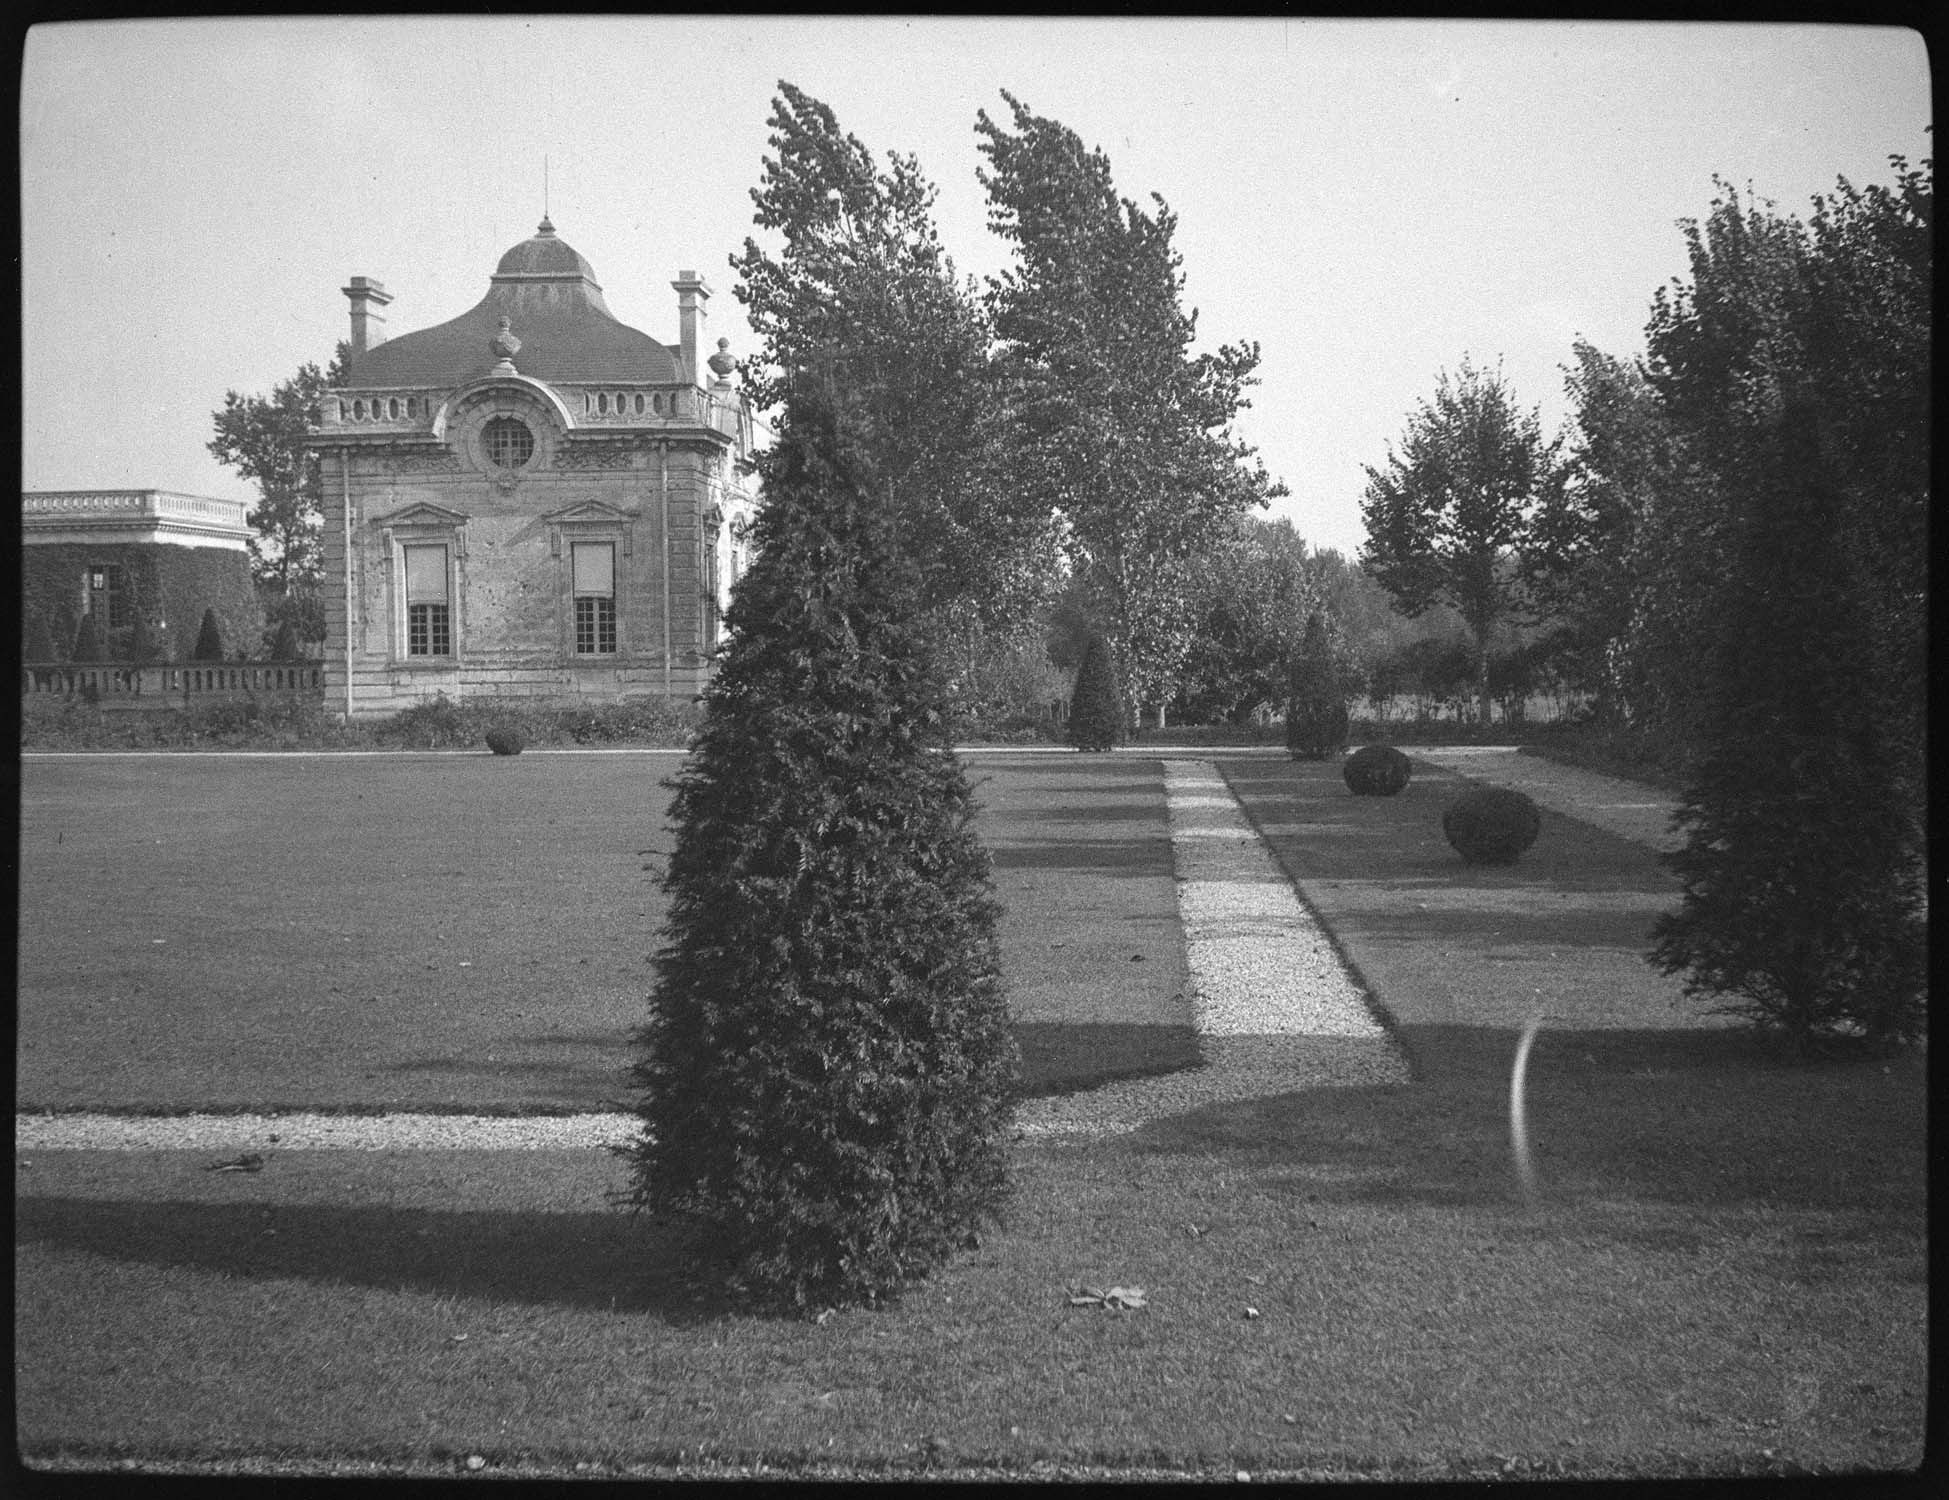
(1274, 1006)
(1629, 809)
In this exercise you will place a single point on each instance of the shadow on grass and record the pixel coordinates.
(1149, 856)
(1680, 1117)
(1066, 1057)
(589, 1261)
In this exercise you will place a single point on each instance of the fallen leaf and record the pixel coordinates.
(250, 1161)
(1251, 1312)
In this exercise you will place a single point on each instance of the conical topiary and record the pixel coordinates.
(284, 644)
(1316, 705)
(209, 640)
(87, 640)
(828, 1068)
(1095, 712)
(1492, 825)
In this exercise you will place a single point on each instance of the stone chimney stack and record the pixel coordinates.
(692, 294)
(368, 323)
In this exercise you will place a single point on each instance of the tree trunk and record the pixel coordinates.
(1482, 673)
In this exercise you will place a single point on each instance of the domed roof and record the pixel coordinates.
(545, 255)
(554, 307)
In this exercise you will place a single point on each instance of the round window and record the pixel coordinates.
(508, 442)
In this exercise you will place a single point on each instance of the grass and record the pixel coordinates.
(355, 934)
(1694, 1292)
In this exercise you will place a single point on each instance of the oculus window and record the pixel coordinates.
(508, 442)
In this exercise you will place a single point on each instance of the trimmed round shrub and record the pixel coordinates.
(505, 739)
(1492, 825)
(1316, 705)
(1376, 771)
(1095, 716)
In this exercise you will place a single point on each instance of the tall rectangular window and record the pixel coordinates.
(108, 595)
(429, 613)
(593, 565)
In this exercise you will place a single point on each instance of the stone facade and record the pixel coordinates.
(531, 500)
(123, 554)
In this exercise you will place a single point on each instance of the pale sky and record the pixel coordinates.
(1369, 200)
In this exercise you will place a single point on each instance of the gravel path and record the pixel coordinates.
(1273, 1004)
(1629, 809)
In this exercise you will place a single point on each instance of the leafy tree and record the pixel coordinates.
(995, 673)
(1112, 419)
(827, 1070)
(1625, 557)
(1450, 518)
(1801, 908)
(1316, 710)
(209, 639)
(862, 291)
(1096, 717)
(1254, 596)
(1834, 314)
(267, 439)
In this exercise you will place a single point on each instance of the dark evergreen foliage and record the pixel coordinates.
(1316, 707)
(1376, 771)
(284, 644)
(1095, 707)
(505, 739)
(1491, 825)
(1802, 910)
(828, 1069)
(87, 640)
(37, 640)
(143, 648)
(209, 639)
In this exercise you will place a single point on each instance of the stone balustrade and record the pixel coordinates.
(57, 507)
(170, 685)
(403, 409)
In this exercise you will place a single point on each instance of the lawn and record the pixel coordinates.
(464, 931)
(1724, 1270)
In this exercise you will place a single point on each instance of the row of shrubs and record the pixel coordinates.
(1486, 825)
(140, 646)
(300, 723)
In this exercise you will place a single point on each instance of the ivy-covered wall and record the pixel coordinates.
(171, 586)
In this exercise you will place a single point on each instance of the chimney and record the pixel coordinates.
(692, 294)
(368, 323)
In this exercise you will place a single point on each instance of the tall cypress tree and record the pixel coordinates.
(1801, 910)
(828, 1069)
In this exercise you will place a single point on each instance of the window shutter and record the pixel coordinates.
(595, 569)
(426, 575)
